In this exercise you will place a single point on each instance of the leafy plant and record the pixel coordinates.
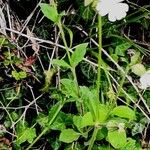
(76, 80)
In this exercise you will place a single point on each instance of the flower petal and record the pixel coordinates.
(145, 80)
(111, 17)
(121, 15)
(118, 1)
(123, 7)
(102, 10)
(114, 8)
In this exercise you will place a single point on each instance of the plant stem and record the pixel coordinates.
(47, 128)
(69, 57)
(122, 81)
(64, 40)
(99, 55)
(93, 138)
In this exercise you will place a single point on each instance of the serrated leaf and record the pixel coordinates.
(138, 69)
(130, 145)
(19, 75)
(22, 74)
(15, 74)
(135, 58)
(120, 49)
(78, 54)
(61, 63)
(58, 124)
(68, 136)
(27, 135)
(117, 138)
(68, 88)
(50, 12)
(42, 120)
(124, 112)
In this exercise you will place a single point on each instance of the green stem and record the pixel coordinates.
(93, 138)
(75, 81)
(122, 81)
(47, 128)
(69, 56)
(99, 55)
(64, 40)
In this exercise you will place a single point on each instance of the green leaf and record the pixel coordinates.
(24, 133)
(68, 136)
(19, 75)
(15, 74)
(68, 88)
(87, 14)
(77, 120)
(130, 145)
(50, 11)
(53, 111)
(58, 124)
(104, 147)
(28, 135)
(42, 120)
(87, 2)
(124, 112)
(61, 63)
(120, 49)
(22, 74)
(103, 113)
(87, 120)
(102, 133)
(70, 35)
(135, 58)
(138, 69)
(92, 103)
(117, 138)
(78, 54)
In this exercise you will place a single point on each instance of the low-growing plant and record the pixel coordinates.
(88, 98)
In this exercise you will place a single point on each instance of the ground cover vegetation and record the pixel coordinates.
(74, 75)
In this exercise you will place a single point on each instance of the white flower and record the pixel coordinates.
(145, 80)
(114, 8)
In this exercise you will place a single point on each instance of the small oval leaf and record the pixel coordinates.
(138, 69)
(124, 112)
(68, 136)
(50, 12)
(78, 54)
(61, 63)
(117, 138)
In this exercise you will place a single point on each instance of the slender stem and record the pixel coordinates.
(69, 56)
(64, 40)
(99, 55)
(47, 128)
(122, 81)
(93, 138)
(75, 81)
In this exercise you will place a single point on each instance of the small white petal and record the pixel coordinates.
(101, 10)
(118, 1)
(111, 17)
(121, 15)
(123, 7)
(145, 80)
